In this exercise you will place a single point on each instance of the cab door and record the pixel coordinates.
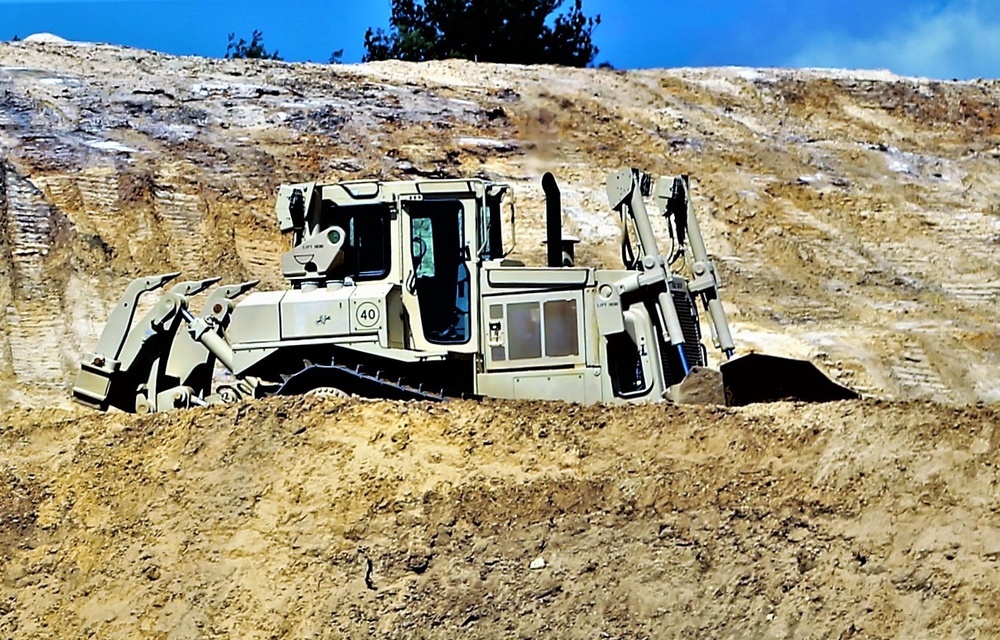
(439, 273)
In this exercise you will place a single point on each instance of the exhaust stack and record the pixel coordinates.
(553, 220)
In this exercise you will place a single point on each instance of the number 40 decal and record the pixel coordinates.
(367, 314)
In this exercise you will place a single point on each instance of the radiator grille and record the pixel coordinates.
(694, 351)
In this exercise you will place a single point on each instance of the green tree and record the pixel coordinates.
(253, 49)
(510, 31)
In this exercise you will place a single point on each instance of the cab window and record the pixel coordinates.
(367, 248)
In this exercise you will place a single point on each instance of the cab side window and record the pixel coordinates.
(367, 250)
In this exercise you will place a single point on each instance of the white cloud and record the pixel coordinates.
(960, 41)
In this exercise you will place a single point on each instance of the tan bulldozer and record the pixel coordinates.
(405, 290)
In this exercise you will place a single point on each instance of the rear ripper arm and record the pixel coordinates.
(154, 366)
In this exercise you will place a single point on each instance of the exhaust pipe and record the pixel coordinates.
(553, 220)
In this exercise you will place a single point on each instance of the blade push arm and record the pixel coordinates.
(673, 196)
(626, 189)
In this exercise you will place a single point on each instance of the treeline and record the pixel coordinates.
(506, 31)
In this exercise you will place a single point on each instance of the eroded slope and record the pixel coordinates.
(854, 214)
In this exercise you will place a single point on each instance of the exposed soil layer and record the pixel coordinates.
(329, 518)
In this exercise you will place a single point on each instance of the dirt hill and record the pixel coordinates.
(854, 217)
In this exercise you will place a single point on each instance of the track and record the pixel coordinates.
(353, 381)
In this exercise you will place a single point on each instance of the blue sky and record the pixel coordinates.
(935, 38)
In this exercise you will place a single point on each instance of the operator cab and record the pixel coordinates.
(424, 239)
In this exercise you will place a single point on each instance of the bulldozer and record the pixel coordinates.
(406, 290)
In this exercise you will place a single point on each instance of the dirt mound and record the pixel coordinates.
(330, 518)
(47, 38)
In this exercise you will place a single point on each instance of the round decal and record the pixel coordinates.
(367, 314)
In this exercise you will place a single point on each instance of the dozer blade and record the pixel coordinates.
(761, 378)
